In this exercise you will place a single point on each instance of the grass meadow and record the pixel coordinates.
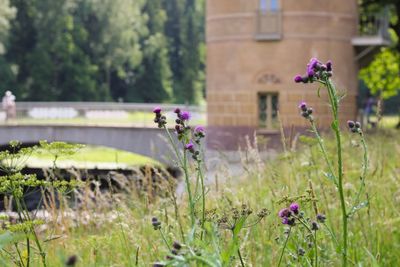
(115, 229)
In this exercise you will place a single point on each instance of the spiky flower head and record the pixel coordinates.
(157, 110)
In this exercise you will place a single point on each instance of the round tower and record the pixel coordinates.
(256, 47)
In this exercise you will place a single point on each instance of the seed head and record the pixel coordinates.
(176, 245)
(321, 218)
(351, 124)
(71, 261)
(314, 226)
(329, 65)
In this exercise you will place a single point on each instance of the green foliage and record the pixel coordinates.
(14, 184)
(382, 76)
(185, 32)
(7, 13)
(153, 83)
(80, 50)
(64, 72)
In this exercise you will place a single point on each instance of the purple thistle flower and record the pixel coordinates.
(303, 106)
(294, 207)
(312, 64)
(199, 129)
(177, 110)
(285, 220)
(284, 213)
(157, 110)
(310, 73)
(185, 115)
(189, 146)
(298, 79)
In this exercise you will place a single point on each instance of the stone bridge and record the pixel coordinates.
(151, 142)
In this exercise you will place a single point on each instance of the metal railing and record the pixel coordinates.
(375, 25)
(269, 25)
(85, 106)
(96, 113)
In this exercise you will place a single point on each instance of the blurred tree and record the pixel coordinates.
(191, 42)
(7, 71)
(153, 83)
(173, 25)
(105, 49)
(368, 6)
(185, 32)
(59, 68)
(7, 13)
(21, 43)
(382, 76)
(115, 28)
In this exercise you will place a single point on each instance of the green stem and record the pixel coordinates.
(336, 128)
(316, 248)
(28, 251)
(323, 150)
(240, 257)
(164, 239)
(171, 140)
(24, 210)
(189, 190)
(284, 246)
(183, 165)
(364, 171)
(203, 194)
(21, 259)
(332, 234)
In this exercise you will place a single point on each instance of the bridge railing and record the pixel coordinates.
(98, 113)
(24, 106)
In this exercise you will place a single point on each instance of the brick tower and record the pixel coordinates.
(256, 47)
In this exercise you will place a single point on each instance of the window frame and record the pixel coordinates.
(268, 124)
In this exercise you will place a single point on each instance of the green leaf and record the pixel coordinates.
(358, 207)
(330, 177)
(234, 244)
(8, 238)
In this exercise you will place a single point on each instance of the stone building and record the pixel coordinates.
(256, 47)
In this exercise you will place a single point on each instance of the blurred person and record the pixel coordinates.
(368, 108)
(9, 107)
